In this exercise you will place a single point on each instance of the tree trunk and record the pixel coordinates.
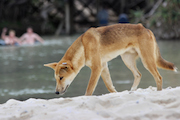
(69, 7)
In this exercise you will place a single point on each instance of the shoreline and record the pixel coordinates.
(141, 104)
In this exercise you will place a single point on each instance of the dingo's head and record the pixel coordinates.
(64, 74)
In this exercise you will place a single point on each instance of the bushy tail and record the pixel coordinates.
(162, 63)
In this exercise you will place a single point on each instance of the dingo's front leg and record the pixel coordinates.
(107, 78)
(95, 74)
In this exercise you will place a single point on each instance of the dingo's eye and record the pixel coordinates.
(61, 78)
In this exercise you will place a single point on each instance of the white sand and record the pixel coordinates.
(143, 104)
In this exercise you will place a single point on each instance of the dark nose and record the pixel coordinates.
(57, 92)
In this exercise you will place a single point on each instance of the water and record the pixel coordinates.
(23, 76)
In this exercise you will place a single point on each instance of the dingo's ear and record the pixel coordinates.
(51, 65)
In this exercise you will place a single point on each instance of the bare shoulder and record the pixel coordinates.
(35, 34)
(24, 35)
(16, 38)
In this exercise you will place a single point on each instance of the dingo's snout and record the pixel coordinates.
(62, 91)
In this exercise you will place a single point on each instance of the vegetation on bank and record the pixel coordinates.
(165, 20)
(46, 16)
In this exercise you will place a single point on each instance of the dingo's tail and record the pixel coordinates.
(162, 63)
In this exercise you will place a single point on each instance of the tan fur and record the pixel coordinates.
(99, 45)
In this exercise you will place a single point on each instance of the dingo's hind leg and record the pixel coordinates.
(130, 61)
(151, 67)
(148, 57)
(107, 78)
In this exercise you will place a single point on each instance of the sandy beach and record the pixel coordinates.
(143, 104)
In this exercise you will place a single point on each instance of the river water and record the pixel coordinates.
(23, 76)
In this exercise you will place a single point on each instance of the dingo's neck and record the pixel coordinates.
(75, 54)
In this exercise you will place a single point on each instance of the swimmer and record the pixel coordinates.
(11, 39)
(30, 37)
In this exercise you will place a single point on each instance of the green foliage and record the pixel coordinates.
(35, 2)
(165, 19)
(136, 15)
(170, 11)
(167, 16)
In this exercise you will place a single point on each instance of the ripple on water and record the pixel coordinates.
(30, 91)
(123, 81)
(30, 66)
(6, 63)
(58, 51)
(53, 42)
(20, 59)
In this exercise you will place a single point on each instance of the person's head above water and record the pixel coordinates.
(12, 33)
(29, 30)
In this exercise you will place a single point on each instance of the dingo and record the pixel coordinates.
(99, 45)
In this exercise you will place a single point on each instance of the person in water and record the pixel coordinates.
(123, 18)
(30, 37)
(103, 16)
(11, 39)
